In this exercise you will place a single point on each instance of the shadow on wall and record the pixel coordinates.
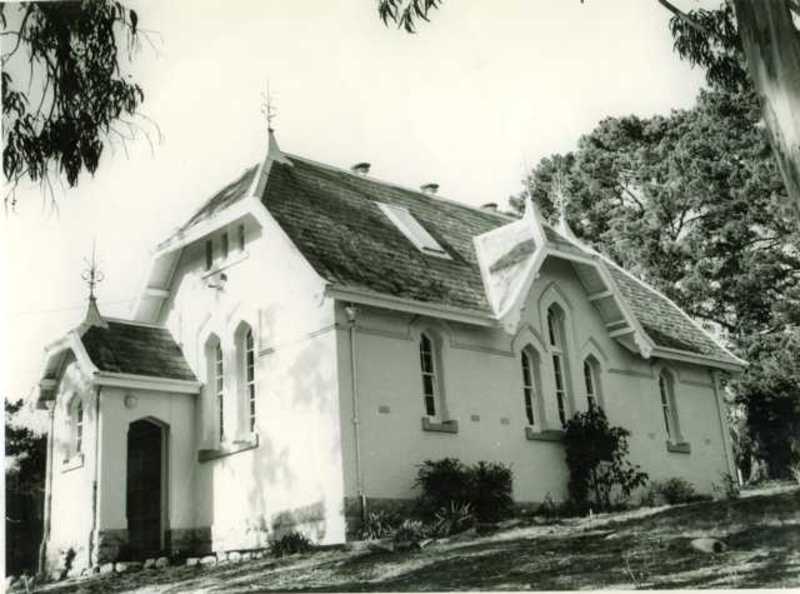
(279, 487)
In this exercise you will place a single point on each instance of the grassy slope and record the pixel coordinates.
(647, 548)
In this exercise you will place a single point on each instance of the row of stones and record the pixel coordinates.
(161, 562)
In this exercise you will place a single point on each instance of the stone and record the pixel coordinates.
(192, 562)
(208, 560)
(74, 572)
(708, 545)
(107, 568)
(162, 562)
(385, 545)
(149, 563)
(258, 555)
(234, 557)
(247, 556)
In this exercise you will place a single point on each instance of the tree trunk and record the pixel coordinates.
(772, 47)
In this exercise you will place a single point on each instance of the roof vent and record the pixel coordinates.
(360, 168)
(489, 207)
(430, 188)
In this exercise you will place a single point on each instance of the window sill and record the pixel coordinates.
(682, 447)
(450, 426)
(228, 448)
(231, 260)
(72, 463)
(546, 435)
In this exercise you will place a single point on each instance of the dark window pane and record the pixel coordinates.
(427, 385)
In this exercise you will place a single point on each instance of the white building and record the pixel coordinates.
(311, 334)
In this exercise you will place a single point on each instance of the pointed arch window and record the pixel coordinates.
(666, 388)
(250, 378)
(591, 379)
(219, 389)
(430, 380)
(555, 331)
(528, 384)
(76, 420)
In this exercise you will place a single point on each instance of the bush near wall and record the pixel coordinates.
(448, 484)
(600, 473)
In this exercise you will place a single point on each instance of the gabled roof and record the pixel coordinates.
(333, 217)
(117, 353)
(136, 349)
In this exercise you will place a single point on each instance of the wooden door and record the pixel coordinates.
(145, 443)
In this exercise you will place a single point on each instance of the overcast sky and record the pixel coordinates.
(476, 94)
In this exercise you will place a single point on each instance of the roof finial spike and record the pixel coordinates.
(560, 200)
(268, 109)
(93, 276)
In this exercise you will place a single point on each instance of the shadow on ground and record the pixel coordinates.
(761, 533)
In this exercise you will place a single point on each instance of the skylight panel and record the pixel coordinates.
(414, 232)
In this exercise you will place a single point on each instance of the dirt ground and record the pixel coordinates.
(647, 548)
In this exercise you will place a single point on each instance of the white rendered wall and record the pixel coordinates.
(295, 473)
(174, 412)
(71, 491)
(482, 382)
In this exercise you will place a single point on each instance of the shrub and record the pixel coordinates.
(453, 519)
(442, 482)
(676, 490)
(490, 488)
(410, 531)
(486, 486)
(597, 458)
(671, 492)
(379, 524)
(291, 543)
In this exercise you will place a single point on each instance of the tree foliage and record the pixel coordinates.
(762, 35)
(597, 458)
(76, 90)
(693, 202)
(25, 467)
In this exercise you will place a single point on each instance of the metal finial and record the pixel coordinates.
(560, 200)
(268, 108)
(92, 275)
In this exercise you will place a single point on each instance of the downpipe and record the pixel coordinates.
(92, 543)
(48, 498)
(352, 312)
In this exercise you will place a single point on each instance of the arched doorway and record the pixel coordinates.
(145, 497)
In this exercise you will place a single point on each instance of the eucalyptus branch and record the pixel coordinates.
(684, 17)
(21, 33)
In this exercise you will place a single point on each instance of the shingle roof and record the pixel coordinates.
(333, 218)
(136, 349)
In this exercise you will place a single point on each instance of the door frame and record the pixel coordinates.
(164, 490)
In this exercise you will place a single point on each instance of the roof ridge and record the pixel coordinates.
(436, 197)
(134, 323)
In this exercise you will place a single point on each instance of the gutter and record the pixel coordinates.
(352, 311)
(92, 543)
(48, 493)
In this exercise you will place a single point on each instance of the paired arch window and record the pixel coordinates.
(528, 387)
(555, 330)
(244, 372)
(430, 381)
(666, 387)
